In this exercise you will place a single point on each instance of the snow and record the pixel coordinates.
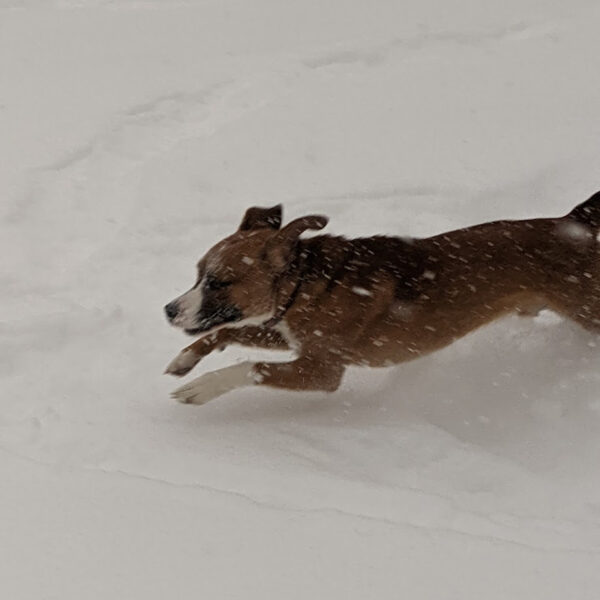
(134, 134)
(361, 291)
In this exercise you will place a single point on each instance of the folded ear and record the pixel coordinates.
(261, 218)
(280, 247)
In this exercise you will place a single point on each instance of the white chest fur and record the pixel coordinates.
(283, 328)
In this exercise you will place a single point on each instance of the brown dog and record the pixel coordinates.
(374, 301)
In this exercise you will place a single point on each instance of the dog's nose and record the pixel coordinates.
(171, 310)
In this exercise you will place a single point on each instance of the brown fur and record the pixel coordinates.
(383, 300)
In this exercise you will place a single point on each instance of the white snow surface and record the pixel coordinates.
(133, 135)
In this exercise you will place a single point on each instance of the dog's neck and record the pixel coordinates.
(354, 261)
(287, 286)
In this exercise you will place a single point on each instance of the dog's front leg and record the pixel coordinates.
(310, 373)
(304, 373)
(253, 336)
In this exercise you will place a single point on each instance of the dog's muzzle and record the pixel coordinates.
(171, 310)
(226, 314)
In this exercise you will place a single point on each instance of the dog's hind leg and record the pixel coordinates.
(579, 303)
(304, 373)
(252, 336)
(585, 314)
(576, 294)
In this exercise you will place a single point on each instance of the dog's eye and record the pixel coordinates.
(212, 283)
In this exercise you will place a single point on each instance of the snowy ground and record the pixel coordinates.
(133, 134)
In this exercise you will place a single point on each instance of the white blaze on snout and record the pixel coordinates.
(188, 306)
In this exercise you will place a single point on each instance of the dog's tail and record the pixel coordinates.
(588, 212)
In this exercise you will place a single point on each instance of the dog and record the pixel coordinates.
(375, 301)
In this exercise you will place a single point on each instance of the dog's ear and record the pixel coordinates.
(261, 218)
(279, 249)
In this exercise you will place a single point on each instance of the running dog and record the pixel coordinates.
(373, 301)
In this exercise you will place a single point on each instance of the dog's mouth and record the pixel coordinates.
(227, 314)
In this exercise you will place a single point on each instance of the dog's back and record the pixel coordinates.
(476, 274)
(383, 300)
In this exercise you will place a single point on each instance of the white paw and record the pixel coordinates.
(183, 363)
(207, 387)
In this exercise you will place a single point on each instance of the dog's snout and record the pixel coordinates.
(171, 310)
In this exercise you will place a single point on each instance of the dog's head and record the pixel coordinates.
(237, 278)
